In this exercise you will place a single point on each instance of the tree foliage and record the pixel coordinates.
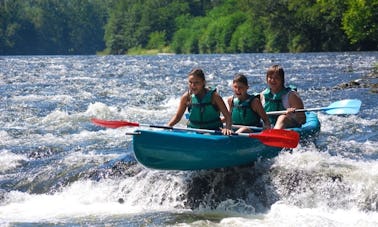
(360, 22)
(192, 26)
(52, 26)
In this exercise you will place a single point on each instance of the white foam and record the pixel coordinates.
(98, 199)
(9, 160)
(285, 215)
(81, 199)
(100, 110)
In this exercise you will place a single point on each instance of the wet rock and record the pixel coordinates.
(350, 84)
(248, 184)
(368, 81)
(124, 167)
(370, 203)
(2, 195)
(121, 200)
(43, 152)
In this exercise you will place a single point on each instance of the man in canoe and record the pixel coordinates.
(278, 97)
(246, 109)
(204, 106)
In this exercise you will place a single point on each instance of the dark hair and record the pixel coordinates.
(197, 72)
(241, 78)
(276, 69)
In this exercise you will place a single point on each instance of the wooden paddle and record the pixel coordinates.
(346, 106)
(269, 137)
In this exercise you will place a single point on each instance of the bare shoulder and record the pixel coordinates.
(216, 97)
(294, 95)
(185, 95)
(256, 100)
(295, 100)
(229, 101)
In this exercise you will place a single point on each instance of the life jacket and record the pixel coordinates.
(202, 113)
(242, 113)
(276, 102)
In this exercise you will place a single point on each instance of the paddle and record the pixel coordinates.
(269, 137)
(346, 106)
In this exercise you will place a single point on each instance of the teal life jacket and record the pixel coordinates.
(273, 102)
(243, 114)
(202, 113)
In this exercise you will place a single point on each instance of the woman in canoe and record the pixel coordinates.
(278, 97)
(204, 106)
(246, 109)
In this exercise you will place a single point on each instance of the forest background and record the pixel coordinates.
(41, 27)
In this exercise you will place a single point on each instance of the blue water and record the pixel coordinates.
(58, 169)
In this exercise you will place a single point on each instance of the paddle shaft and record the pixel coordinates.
(191, 129)
(270, 137)
(346, 106)
(118, 124)
(297, 110)
(182, 128)
(247, 126)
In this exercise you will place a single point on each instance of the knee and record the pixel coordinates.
(280, 123)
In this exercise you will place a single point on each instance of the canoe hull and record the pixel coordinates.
(174, 150)
(309, 129)
(182, 150)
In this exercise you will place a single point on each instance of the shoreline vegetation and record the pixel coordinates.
(134, 27)
(141, 51)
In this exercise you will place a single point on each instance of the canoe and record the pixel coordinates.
(309, 129)
(183, 150)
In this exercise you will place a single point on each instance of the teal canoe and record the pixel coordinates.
(183, 150)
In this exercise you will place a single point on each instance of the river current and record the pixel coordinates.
(58, 169)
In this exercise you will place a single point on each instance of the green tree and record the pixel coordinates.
(247, 38)
(360, 22)
(53, 27)
(277, 23)
(193, 26)
(328, 34)
(13, 27)
(186, 39)
(120, 28)
(301, 25)
(131, 22)
(85, 23)
(156, 41)
(224, 19)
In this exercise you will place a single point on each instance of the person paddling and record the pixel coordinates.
(204, 105)
(246, 109)
(278, 97)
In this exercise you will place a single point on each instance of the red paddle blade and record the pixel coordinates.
(277, 138)
(113, 124)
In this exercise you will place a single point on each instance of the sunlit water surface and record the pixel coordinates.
(58, 169)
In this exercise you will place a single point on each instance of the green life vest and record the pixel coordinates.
(202, 113)
(243, 114)
(273, 102)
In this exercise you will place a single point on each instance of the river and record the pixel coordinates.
(58, 169)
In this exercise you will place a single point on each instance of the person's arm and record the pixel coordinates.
(262, 99)
(295, 102)
(229, 102)
(180, 110)
(259, 109)
(226, 114)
